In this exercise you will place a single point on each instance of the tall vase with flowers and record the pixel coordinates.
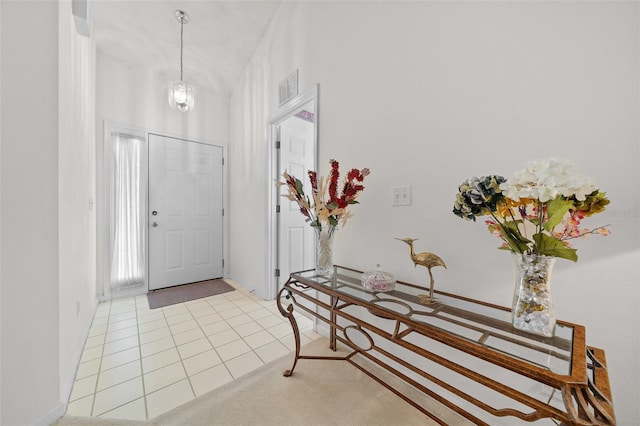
(536, 214)
(327, 207)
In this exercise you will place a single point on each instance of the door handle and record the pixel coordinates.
(155, 224)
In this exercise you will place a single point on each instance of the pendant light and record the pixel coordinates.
(181, 94)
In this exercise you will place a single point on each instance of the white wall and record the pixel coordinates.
(48, 159)
(48, 224)
(134, 95)
(76, 202)
(428, 94)
(131, 95)
(30, 238)
(0, 214)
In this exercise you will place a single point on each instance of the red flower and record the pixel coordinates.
(333, 183)
(332, 211)
(313, 178)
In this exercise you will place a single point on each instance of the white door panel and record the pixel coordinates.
(297, 239)
(185, 212)
(296, 246)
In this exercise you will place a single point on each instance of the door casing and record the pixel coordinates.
(287, 110)
(296, 250)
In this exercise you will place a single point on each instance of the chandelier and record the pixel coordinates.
(181, 94)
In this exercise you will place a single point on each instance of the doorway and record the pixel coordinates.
(185, 211)
(293, 146)
(183, 182)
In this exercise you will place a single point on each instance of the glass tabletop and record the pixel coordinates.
(483, 324)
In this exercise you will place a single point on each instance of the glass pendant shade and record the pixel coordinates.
(181, 96)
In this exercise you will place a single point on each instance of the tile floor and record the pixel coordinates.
(139, 363)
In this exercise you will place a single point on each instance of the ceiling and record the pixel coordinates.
(219, 39)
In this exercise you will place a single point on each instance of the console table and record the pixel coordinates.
(462, 353)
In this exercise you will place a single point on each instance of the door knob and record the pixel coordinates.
(155, 224)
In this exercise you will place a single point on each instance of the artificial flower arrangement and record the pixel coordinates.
(538, 211)
(326, 211)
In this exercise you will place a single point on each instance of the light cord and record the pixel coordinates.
(181, 44)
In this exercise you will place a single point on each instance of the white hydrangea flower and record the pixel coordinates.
(546, 180)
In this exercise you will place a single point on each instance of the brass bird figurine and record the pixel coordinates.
(426, 259)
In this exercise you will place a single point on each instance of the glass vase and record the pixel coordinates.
(324, 249)
(532, 309)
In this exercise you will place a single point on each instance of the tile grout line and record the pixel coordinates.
(95, 388)
(262, 329)
(188, 376)
(131, 362)
(236, 302)
(144, 391)
(199, 326)
(223, 362)
(175, 344)
(206, 337)
(276, 339)
(213, 347)
(251, 349)
(229, 325)
(244, 341)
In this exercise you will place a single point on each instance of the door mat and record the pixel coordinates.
(186, 292)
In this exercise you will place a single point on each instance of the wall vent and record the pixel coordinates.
(288, 88)
(81, 16)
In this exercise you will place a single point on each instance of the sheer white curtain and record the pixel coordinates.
(128, 213)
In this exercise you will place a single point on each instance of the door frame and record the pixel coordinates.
(188, 145)
(103, 195)
(272, 246)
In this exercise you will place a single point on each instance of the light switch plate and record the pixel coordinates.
(401, 196)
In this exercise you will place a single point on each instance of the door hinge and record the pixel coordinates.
(277, 272)
(277, 144)
(223, 161)
(278, 208)
(222, 212)
(223, 263)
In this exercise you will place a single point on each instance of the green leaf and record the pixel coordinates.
(550, 246)
(299, 187)
(511, 234)
(556, 209)
(333, 221)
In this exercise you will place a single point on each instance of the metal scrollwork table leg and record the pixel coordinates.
(288, 313)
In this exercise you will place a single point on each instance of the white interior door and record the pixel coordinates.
(185, 212)
(296, 237)
(279, 260)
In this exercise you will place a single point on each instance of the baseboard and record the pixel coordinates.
(53, 414)
(67, 386)
(322, 328)
(260, 292)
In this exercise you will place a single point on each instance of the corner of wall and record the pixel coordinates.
(67, 382)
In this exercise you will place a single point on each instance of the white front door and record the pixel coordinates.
(185, 212)
(296, 237)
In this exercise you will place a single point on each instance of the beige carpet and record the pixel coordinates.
(318, 393)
